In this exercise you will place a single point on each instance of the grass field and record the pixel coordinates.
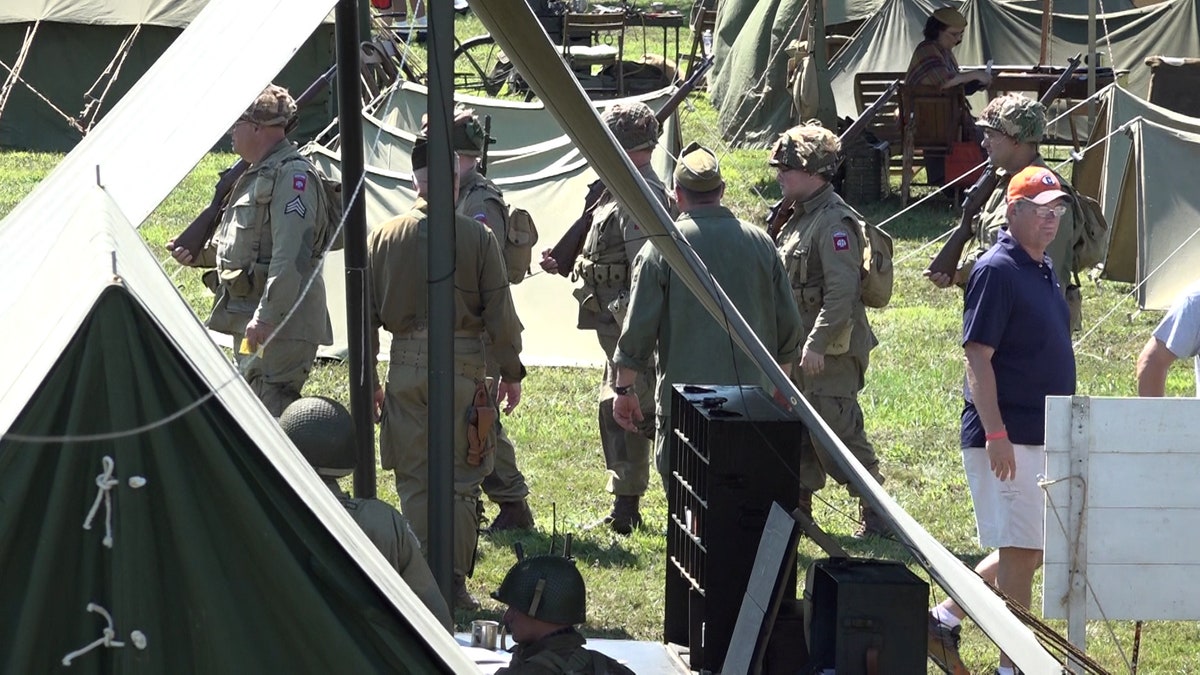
(912, 403)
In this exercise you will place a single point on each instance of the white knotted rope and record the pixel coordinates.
(106, 640)
(105, 483)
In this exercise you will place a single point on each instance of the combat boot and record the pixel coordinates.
(872, 524)
(625, 515)
(805, 502)
(513, 516)
(462, 597)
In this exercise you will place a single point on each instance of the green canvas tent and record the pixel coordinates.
(1138, 168)
(65, 64)
(752, 96)
(539, 169)
(154, 518)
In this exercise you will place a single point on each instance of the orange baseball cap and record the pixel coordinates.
(1037, 184)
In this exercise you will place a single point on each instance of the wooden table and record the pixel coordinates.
(1037, 80)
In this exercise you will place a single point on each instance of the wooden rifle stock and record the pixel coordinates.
(781, 211)
(946, 260)
(487, 140)
(201, 229)
(570, 245)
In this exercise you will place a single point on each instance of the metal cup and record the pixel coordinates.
(484, 633)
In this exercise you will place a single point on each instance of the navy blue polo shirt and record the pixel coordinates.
(1014, 306)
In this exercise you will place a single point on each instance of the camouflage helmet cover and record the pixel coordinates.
(546, 587)
(274, 107)
(633, 125)
(323, 431)
(1020, 117)
(467, 135)
(809, 147)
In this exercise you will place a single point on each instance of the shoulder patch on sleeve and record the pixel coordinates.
(296, 206)
(841, 241)
(299, 182)
(481, 217)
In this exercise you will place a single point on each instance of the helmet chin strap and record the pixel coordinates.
(537, 597)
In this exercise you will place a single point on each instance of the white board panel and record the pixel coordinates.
(1128, 592)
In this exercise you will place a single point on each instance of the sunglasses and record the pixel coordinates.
(1047, 211)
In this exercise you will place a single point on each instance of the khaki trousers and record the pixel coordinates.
(626, 455)
(278, 376)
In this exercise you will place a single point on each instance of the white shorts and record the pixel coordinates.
(1008, 514)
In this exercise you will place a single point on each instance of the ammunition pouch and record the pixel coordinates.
(615, 275)
(619, 306)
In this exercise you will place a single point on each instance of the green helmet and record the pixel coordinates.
(545, 587)
(323, 431)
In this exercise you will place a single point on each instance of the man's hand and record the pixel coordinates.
(257, 333)
(627, 412)
(812, 363)
(982, 77)
(939, 279)
(1004, 460)
(377, 399)
(548, 263)
(179, 253)
(508, 395)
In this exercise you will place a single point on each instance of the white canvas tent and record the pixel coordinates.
(230, 555)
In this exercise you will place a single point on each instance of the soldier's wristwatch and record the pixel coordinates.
(622, 391)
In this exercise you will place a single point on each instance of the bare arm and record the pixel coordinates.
(982, 380)
(1152, 366)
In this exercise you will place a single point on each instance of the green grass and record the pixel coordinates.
(912, 401)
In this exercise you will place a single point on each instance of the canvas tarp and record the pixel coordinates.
(1005, 33)
(232, 556)
(547, 176)
(75, 42)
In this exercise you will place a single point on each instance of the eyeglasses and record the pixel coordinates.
(1047, 211)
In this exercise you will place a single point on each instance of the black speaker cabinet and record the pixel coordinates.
(866, 610)
(732, 453)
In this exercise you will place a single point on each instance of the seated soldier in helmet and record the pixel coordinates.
(546, 599)
(323, 431)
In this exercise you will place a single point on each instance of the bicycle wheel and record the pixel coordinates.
(480, 67)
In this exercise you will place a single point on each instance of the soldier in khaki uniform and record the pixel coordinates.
(613, 241)
(479, 198)
(323, 432)
(1013, 125)
(397, 254)
(264, 255)
(821, 247)
(666, 320)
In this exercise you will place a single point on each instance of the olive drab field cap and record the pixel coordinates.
(808, 147)
(698, 169)
(323, 431)
(633, 125)
(274, 107)
(1014, 115)
(545, 587)
(951, 17)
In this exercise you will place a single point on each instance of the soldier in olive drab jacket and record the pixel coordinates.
(398, 259)
(613, 241)
(323, 431)
(264, 252)
(1013, 126)
(481, 199)
(821, 246)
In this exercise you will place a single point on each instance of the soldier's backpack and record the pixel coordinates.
(877, 273)
(1091, 246)
(518, 246)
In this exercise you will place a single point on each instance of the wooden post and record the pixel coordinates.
(1081, 436)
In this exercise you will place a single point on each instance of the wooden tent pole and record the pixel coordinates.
(1047, 25)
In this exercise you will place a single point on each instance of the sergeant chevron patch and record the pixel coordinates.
(296, 206)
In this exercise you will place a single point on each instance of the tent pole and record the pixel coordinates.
(826, 109)
(442, 415)
(1091, 64)
(1047, 26)
(350, 127)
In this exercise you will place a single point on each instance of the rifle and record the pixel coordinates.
(570, 245)
(946, 261)
(201, 229)
(781, 211)
(487, 140)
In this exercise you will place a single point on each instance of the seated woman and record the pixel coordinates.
(933, 65)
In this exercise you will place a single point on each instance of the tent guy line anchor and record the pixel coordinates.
(105, 482)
